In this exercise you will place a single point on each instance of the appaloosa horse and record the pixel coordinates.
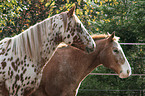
(23, 57)
(69, 66)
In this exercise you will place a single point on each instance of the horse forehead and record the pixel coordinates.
(116, 44)
(57, 19)
(77, 19)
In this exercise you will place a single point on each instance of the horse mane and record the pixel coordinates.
(104, 36)
(29, 42)
(98, 37)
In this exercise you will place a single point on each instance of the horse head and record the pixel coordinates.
(112, 56)
(75, 33)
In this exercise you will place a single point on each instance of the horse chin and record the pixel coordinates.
(122, 75)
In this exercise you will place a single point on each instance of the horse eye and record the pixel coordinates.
(116, 51)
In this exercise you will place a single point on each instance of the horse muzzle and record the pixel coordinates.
(125, 74)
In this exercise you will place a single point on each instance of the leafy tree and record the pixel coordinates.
(19, 15)
(123, 16)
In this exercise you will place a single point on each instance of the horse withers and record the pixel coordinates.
(69, 66)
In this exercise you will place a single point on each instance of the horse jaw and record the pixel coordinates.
(126, 70)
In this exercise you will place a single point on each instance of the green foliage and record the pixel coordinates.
(18, 15)
(126, 18)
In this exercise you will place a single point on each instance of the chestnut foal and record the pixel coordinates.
(69, 66)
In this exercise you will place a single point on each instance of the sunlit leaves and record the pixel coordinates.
(104, 11)
(17, 16)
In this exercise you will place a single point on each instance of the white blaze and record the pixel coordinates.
(126, 69)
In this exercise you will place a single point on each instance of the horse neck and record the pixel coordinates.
(95, 56)
(38, 42)
(83, 67)
(52, 37)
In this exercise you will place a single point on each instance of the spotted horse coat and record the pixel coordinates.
(23, 57)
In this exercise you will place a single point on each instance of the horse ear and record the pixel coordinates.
(71, 11)
(108, 33)
(110, 39)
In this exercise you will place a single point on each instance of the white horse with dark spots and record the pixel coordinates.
(23, 57)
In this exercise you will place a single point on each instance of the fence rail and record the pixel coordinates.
(108, 90)
(132, 43)
(114, 74)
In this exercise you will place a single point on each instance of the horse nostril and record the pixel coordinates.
(128, 71)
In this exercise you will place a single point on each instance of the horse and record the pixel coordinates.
(24, 56)
(69, 66)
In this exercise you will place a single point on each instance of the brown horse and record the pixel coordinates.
(69, 66)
